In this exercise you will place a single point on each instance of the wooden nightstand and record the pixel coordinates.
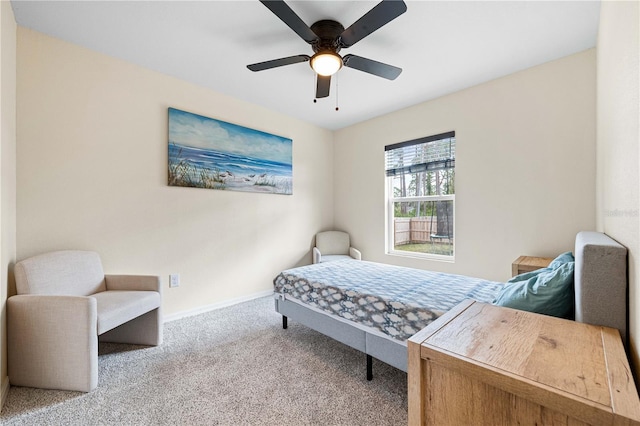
(529, 263)
(481, 364)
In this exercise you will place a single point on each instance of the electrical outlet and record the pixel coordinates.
(174, 280)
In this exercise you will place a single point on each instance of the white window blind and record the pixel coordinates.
(436, 152)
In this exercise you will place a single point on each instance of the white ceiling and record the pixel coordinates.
(442, 46)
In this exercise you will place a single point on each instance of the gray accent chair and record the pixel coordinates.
(334, 245)
(64, 304)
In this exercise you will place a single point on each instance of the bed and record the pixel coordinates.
(375, 308)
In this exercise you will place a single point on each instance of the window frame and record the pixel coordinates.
(390, 214)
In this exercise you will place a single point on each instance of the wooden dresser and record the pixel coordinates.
(481, 364)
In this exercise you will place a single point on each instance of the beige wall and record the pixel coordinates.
(92, 174)
(618, 117)
(7, 174)
(525, 167)
(92, 169)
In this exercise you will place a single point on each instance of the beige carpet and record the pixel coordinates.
(233, 366)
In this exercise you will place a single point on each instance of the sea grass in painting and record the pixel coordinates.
(209, 153)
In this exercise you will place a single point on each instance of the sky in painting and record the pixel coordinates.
(201, 132)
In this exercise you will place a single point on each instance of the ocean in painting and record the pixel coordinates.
(232, 171)
(209, 153)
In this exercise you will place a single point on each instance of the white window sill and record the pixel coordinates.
(423, 256)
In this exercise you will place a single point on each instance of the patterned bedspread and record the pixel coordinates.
(395, 300)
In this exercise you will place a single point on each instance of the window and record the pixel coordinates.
(421, 196)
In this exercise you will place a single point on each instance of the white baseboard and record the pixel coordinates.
(213, 307)
(4, 391)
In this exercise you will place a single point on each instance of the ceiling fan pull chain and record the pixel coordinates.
(337, 79)
(315, 82)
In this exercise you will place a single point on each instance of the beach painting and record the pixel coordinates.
(209, 153)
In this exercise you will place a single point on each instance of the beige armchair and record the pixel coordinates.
(64, 302)
(334, 245)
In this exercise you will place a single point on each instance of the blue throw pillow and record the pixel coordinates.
(546, 291)
(561, 260)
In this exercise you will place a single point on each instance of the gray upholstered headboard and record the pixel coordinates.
(601, 281)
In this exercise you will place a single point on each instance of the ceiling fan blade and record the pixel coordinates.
(383, 13)
(323, 85)
(289, 17)
(274, 63)
(372, 67)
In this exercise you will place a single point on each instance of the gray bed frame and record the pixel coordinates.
(600, 298)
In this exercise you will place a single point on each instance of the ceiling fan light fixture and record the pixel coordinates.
(326, 63)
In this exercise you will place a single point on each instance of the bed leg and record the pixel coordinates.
(284, 322)
(369, 368)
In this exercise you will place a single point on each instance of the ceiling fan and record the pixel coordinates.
(328, 37)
